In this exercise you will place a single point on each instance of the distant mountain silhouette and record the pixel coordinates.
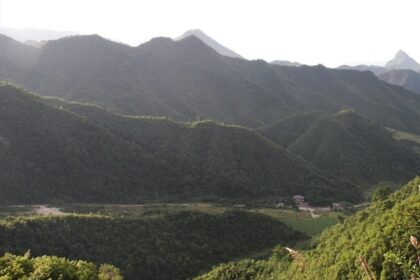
(373, 68)
(403, 77)
(188, 80)
(286, 63)
(403, 61)
(210, 42)
(402, 70)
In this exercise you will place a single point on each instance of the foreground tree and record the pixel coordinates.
(25, 267)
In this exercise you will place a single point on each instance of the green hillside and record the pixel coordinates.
(157, 246)
(409, 140)
(347, 145)
(54, 151)
(187, 80)
(380, 234)
(47, 267)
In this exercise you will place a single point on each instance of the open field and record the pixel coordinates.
(301, 220)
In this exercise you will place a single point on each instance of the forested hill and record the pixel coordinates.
(381, 234)
(156, 246)
(347, 145)
(51, 150)
(186, 80)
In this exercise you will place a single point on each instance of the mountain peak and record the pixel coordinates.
(209, 41)
(402, 53)
(403, 61)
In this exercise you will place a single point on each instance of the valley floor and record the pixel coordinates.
(310, 220)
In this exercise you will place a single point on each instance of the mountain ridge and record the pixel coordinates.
(403, 61)
(347, 145)
(400, 61)
(210, 42)
(186, 80)
(150, 159)
(406, 78)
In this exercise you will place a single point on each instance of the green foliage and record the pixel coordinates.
(347, 145)
(380, 233)
(53, 268)
(157, 246)
(381, 193)
(109, 272)
(55, 151)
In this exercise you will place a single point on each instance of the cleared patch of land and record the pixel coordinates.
(302, 220)
(46, 210)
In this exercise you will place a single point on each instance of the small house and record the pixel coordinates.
(298, 199)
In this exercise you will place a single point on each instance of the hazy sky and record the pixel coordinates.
(331, 32)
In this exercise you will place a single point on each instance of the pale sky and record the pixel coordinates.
(331, 32)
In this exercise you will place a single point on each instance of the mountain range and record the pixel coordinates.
(402, 70)
(187, 80)
(401, 61)
(275, 130)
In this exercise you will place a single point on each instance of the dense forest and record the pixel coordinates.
(52, 151)
(347, 145)
(157, 246)
(46, 267)
(186, 80)
(380, 240)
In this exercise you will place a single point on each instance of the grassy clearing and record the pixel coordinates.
(302, 221)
